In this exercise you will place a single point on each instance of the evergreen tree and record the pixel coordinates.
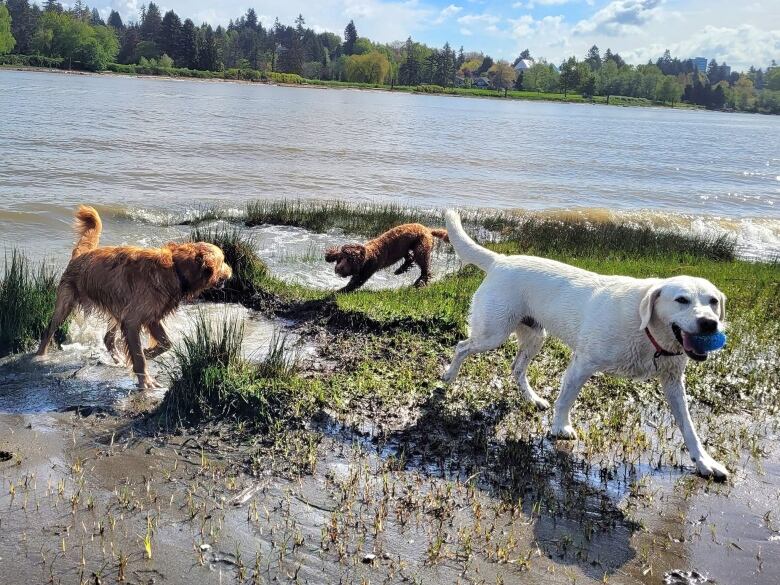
(188, 49)
(593, 58)
(52, 6)
(526, 54)
(251, 19)
(95, 19)
(24, 19)
(169, 37)
(487, 63)
(115, 21)
(350, 38)
(151, 23)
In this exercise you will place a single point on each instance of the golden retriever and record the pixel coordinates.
(135, 288)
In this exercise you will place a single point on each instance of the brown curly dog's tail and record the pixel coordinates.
(441, 234)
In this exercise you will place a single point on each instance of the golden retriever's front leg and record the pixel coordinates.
(132, 334)
(162, 341)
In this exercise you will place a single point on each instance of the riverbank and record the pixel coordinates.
(373, 470)
(290, 80)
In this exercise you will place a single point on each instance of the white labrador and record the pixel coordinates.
(637, 328)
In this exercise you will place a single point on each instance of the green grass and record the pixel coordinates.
(27, 294)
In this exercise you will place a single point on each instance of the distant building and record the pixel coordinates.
(725, 71)
(524, 65)
(701, 64)
(481, 83)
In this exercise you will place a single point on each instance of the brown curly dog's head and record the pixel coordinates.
(349, 258)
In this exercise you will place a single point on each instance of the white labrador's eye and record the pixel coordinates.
(682, 300)
(713, 301)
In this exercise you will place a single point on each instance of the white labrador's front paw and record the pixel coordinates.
(448, 376)
(563, 432)
(540, 402)
(708, 467)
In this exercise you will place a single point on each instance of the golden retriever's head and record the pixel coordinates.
(349, 258)
(200, 266)
(685, 306)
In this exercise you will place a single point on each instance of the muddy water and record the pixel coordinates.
(79, 496)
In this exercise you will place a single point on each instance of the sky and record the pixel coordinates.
(741, 33)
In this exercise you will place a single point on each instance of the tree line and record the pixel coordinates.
(80, 38)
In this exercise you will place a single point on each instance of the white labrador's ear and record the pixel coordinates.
(647, 304)
(722, 306)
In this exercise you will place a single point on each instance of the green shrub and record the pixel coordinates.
(284, 77)
(27, 297)
(32, 61)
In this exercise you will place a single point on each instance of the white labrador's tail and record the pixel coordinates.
(467, 249)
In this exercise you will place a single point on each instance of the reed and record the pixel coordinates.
(27, 294)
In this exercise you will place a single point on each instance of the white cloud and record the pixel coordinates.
(739, 46)
(466, 32)
(484, 19)
(447, 12)
(620, 17)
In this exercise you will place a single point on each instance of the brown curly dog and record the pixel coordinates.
(135, 288)
(410, 242)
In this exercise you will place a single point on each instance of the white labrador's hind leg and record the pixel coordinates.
(490, 327)
(575, 376)
(469, 347)
(530, 341)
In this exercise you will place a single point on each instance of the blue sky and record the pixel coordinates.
(740, 33)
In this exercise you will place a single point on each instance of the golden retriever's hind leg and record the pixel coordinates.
(64, 305)
(161, 339)
(119, 355)
(132, 335)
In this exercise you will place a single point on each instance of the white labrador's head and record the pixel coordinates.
(688, 306)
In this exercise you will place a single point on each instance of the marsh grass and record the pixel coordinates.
(532, 234)
(210, 379)
(240, 253)
(321, 216)
(27, 295)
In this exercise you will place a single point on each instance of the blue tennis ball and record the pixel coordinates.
(707, 343)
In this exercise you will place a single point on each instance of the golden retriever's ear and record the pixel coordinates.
(332, 254)
(647, 304)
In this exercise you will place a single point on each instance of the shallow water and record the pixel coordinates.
(166, 146)
(83, 375)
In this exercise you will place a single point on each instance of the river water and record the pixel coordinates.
(142, 146)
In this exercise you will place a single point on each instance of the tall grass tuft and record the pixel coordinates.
(27, 295)
(210, 380)
(239, 249)
(206, 364)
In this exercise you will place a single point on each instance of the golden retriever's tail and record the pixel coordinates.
(441, 234)
(467, 249)
(88, 227)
